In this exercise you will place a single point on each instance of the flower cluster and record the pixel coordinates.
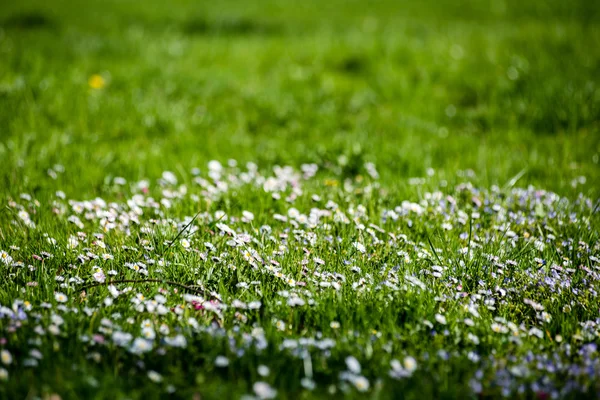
(501, 282)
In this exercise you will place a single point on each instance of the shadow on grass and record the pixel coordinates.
(353, 65)
(229, 27)
(29, 21)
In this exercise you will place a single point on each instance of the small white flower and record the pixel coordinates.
(155, 376)
(247, 216)
(221, 361)
(539, 245)
(263, 370)
(353, 365)
(121, 338)
(536, 332)
(113, 291)
(176, 341)
(72, 242)
(99, 276)
(473, 338)
(35, 353)
(360, 247)
(169, 177)
(558, 338)
(6, 357)
(5, 257)
(295, 301)
(164, 329)
(440, 319)
(499, 328)
(60, 297)
(410, 364)
(53, 329)
(148, 333)
(546, 317)
(361, 383)
(146, 324)
(215, 166)
(24, 215)
(308, 383)
(264, 391)
(140, 346)
(254, 305)
(3, 374)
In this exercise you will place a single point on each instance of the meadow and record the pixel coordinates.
(271, 199)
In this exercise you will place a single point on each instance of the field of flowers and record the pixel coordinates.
(490, 291)
(274, 200)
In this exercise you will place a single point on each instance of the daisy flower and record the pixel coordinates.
(60, 297)
(5, 357)
(361, 383)
(410, 364)
(353, 365)
(155, 376)
(264, 391)
(221, 361)
(140, 346)
(440, 319)
(5, 257)
(263, 370)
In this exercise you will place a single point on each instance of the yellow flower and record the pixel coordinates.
(96, 81)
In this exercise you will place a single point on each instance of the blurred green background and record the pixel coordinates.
(132, 88)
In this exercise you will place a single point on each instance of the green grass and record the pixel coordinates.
(501, 95)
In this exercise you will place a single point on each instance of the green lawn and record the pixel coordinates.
(412, 165)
